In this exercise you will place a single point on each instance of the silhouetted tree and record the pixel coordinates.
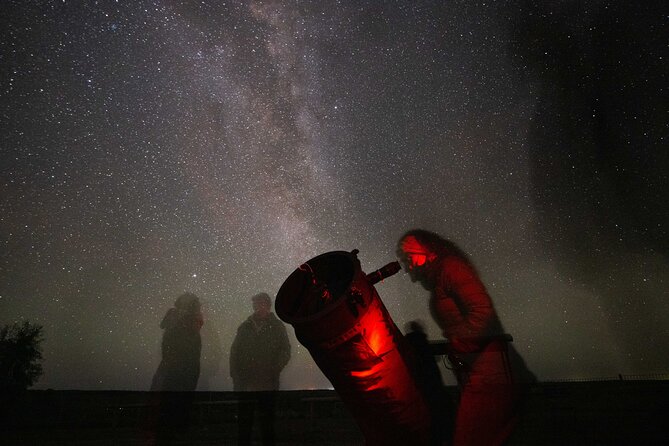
(20, 356)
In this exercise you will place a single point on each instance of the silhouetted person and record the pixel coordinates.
(179, 369)
(461, 306)
(259, 353)
(427, 376)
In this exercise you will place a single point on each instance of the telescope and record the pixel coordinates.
(339, 317)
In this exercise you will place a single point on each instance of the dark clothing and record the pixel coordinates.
(177, 374)
(179, 369)
(259, 353)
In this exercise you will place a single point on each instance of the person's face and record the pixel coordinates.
(415, 260)
(413, 264)
(261, 308)
(415, 257)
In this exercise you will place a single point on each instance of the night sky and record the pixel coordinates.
(149, 148)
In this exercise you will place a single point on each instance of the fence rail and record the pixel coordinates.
(620, 377)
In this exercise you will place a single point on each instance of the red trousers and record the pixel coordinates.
(486, 413)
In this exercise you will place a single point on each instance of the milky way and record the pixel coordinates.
(154, 147)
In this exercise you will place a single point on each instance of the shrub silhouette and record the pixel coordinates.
(20, 356)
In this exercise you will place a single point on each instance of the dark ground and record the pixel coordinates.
(575, 413)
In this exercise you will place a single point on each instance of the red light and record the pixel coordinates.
(417, 259)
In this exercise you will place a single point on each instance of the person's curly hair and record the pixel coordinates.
(435, 243)
(187, 302)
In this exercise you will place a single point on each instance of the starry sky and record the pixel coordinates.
(149, 148)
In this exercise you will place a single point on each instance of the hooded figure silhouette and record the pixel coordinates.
(179, 369)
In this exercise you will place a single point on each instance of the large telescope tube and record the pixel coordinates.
(338, 316)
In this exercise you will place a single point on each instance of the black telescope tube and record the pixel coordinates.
(340, 318)
(384, 272)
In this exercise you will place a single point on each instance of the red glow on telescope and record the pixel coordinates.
(355, 343)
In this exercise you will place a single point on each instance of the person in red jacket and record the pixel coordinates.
(462, 308)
